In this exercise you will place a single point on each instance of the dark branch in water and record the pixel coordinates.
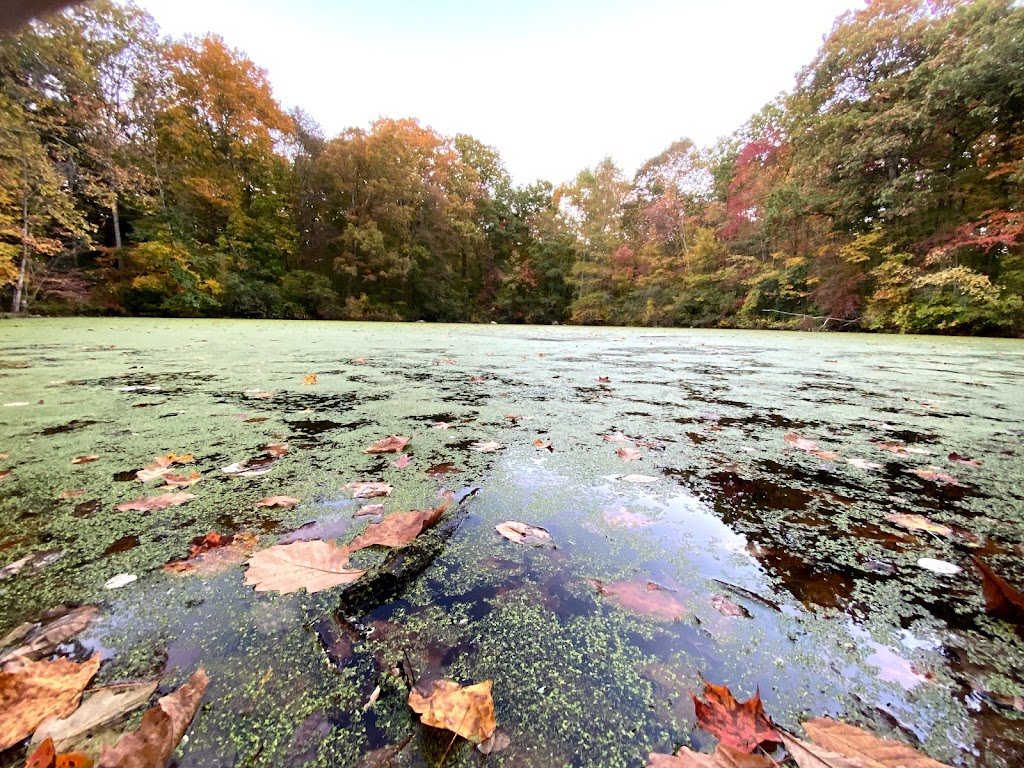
(825, 318)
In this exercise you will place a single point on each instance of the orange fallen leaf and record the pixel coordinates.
(809, 755)
(182, 481)
(45, 756)
(213, 553)
(392, 444)
(918, 523)
(368, 490)
(149, 503)
(850, 741)
(628, 454)
(468, 712)
(899, 448)
(742, 726)
(724, 756)
(162, 727)
(931, 474)
(400, 528)
(309, 379)
(38, 690)
(84, 459)
(309, 565)
(544, 445)
(277, 450)
(403, 461)
(287, 502)
(370, 510)
(646, 598)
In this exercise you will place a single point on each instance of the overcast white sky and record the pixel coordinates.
(555, 85)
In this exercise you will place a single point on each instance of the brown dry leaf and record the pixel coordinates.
(149, 503)
(932, 474)
(56, 626)
(72, 494)
(809, 446)
(544, 445)
(392, 444)
(370, 510)
(445, 468)
(524, 533)
(102, 707)
(84, 459)
(309, 379)
(477, 380)
(309, 565)
(808, 755)
(956, 458)
(358, 360)
(287, 502)
(400, 528)
(38, 690)
(1001, 600)
(403, 461)
(899, 448)
(486, 447)
(873, 752)
(727, 607)
(724, 756)
(603, 380)
(646, 598)
(213, 553)
(5, 473)
(742, 726)
(182, 481)
(616, 437)
(46, 756)
(368, 490)
(628, 454)
(918, 523)
(277, 450)
(468, 712)
(161, 729)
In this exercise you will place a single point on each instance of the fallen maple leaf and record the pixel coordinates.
(468, 712)
(724, 756)
(850, 741)
(287, 502)
(277, 450)
(182, 481)
(918, 523)
(392, 444)
(309, 565)
(38, 690)
(488, 447)
(368, 490)
(213, 553)
(809, 446)
(808, 755)
(743, 726)
(151, 745)
(603, 380)
(370, 510)
(403, 461)
(84, 459)
(400, 528)
(642, 597)
(898, 448)
(45, 756)
(309, 379)
(102, 707)
(440, 470)
(162, 465)
(615, 437)
(524, 533)
(55, 627)
(628, 454)
(538, 443)
(931, 474)
(1001, 600)
(149, 503)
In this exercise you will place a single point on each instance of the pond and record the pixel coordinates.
(755, 554)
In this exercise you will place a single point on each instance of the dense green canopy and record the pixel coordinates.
(154, 177)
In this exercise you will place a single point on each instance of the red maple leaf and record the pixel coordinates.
(742, 726)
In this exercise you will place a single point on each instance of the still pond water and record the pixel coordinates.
(787, 574)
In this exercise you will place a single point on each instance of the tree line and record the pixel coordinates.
(146, 176)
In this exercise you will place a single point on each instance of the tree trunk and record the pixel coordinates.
(117, 232)
(20, 285)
